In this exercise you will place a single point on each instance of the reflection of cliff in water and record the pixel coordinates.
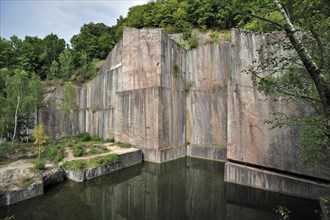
(181, 189)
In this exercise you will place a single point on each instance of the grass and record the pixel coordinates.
(91, 163)
(123, 145)
(88, 149)
(81, 144)
(9, 154)
(74, 165)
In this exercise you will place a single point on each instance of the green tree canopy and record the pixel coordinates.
(21, 95)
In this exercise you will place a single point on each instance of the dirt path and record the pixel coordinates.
(113, 149)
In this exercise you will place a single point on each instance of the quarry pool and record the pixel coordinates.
(186, 188)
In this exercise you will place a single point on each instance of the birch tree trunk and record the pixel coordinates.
(322, 86)
(16, 117)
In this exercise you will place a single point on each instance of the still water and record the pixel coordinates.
(186, 188)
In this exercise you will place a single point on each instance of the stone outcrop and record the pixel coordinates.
(160, 98)
(129, 158)
(19, 182)
(52, 175)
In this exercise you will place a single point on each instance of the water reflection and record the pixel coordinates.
(182, 189)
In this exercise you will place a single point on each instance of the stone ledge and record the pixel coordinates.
(209, 153)
(164, 155)
(125, 160)
(272, 181)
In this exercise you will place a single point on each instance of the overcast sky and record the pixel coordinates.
(64, 18)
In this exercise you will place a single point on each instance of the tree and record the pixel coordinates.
(20, 97)
(94, 39)
(66, 64)
(52, 47)
(54, 70)
(40, 136)
(303, 76)
(68, 106)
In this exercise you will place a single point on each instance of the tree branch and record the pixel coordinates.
(319, 44)
(262, 18)
(321, 84)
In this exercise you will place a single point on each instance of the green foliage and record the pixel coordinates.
(40, 136)
(193, 41)
(96, 138)
(94, 39)
(285, 78)
(314, 145)
(283, 212)
(69, 102)
(83, 136)
(39, 164)
(123, 145)
(74, 165)
(10, 218)
(53, 153)
(188, 86)
(66, 64)
(91, 163)
(20, 95)
(78, 151)
(105, 160)
(176, 70)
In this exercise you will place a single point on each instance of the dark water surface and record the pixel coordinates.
(182, 189)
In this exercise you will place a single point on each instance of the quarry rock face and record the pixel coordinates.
(170, 103)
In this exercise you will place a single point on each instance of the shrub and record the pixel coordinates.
(74, 165)
(53, 153)
(78, 151)
(95, 150)
(176, 69)
(39, 164)
(84, 136)
(96, 138)
(123, 145)
(186, 34)
(188, 86)
(110, 159)
(193, 41)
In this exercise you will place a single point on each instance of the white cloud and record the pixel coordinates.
(64, 18)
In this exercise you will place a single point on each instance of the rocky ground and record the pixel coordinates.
(20, 180)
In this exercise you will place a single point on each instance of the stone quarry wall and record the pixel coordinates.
(158, 97)
(207, 72)
(137, 98)
(250, 140)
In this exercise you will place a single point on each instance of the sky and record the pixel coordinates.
(63, 18)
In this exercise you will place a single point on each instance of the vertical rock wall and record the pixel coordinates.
(250, 140)
(208, 70)
(158, 98)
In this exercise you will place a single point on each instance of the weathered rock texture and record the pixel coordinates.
(158, 97)
(207, 72)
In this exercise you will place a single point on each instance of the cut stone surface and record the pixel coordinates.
(19, 181)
